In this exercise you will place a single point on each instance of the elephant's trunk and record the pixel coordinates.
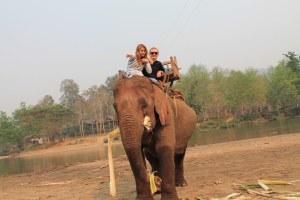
(132, 128)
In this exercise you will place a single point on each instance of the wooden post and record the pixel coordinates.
(112, 181)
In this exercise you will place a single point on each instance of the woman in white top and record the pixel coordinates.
(138, 61)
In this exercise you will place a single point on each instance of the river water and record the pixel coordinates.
(50, 161)
(246, 131)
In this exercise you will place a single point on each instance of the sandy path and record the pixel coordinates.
(211, 171)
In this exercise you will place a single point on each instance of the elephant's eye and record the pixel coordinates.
(144, 106)
(143, 103)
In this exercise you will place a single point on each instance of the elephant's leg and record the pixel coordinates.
(165, 154)
(179, 171)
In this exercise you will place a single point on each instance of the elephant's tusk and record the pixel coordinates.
(147, 122)
(112, 182)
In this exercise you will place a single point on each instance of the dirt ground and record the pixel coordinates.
(212, 171)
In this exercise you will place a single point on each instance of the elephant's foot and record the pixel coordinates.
(180, 182)
(144, 198)
(168, 192)
(174, 197)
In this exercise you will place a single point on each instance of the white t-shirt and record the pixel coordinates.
(133, 68)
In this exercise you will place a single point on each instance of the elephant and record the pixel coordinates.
(164, 144)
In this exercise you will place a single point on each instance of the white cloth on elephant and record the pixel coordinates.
(133, 68)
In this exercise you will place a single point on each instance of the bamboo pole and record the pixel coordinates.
(112, 181)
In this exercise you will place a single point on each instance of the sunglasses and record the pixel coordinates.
(154, 53)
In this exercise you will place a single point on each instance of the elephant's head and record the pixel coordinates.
(136, 98)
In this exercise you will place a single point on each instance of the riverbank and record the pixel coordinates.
(211, 171)
(67, 145)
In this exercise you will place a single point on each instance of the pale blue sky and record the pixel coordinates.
(43, 42)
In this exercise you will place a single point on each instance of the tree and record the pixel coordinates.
(293, 62)
(9, 132)
(73, 101)
(110, 83)
(46, 121)
(90, 96)
(254, 91)
(70, 93)
(235, 91)
(195, 86)
(99, 106)
(218, 80)
(47, 100)
(281, 92)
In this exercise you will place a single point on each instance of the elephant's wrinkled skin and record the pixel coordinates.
(173, 123)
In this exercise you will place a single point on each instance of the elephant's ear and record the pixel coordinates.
(160, 104)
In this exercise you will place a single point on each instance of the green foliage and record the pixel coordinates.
(47, 121)
(293, 62)
(70, 131)
(244, 91)
(195, 87)
(9, 133)
(248, 117)
(218, 81)
(222, 93)
(235, 93)
(216, 124)
(70, 95)
(281, 91)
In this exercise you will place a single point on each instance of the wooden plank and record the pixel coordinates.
(175, 67)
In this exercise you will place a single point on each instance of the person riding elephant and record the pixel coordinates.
(164, 143)
(157, 66)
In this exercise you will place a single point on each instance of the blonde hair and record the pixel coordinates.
(153, 48)
(138, 56)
